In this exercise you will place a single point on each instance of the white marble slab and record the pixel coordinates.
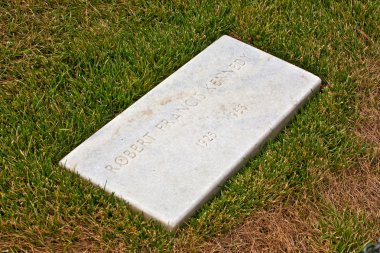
(174, 148)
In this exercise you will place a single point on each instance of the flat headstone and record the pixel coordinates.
(170, 151)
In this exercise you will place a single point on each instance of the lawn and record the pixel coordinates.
(69, 67)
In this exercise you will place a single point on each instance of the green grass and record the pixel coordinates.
(69, 67)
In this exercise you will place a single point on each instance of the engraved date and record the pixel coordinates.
(206, 139)
(238, 110)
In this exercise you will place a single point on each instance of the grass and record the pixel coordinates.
(69, 67)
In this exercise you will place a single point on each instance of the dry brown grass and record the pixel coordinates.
(83, 238)
(283, 229)
(357, 190)
(367, 126)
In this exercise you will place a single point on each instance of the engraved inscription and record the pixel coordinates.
(206, 139)
(192, 101)
(237, 64)
(112, 169)
(134, 150)
(220, 77)
(130, 153)
(238, 110)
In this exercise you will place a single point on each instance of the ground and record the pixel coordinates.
(69, 67)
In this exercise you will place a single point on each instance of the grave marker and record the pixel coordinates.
(171, 150)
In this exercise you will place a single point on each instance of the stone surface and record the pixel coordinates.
(174, 148)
